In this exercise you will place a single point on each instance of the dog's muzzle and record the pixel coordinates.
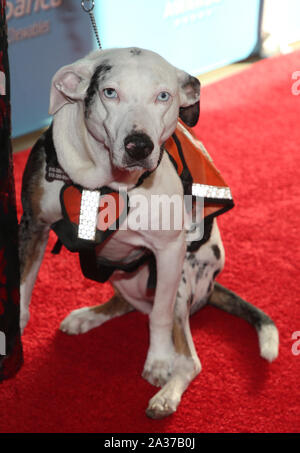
(138, 146)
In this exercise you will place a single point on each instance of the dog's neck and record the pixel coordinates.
(85, 160)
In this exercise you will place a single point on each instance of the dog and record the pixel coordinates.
(113, 111)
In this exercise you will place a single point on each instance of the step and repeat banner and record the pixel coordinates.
(196, 35)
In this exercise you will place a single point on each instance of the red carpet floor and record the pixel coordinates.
(92, 383)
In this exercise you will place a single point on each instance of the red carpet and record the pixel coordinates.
(92, 383)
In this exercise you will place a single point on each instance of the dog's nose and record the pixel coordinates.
(138, 145)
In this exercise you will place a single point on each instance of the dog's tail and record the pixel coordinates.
(267, 332)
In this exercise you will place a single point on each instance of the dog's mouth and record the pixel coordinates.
(125, 166)
(132, 165)
(139, 166)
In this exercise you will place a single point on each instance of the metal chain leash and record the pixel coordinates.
(88, 6)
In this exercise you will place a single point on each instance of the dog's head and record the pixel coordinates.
(130, 100)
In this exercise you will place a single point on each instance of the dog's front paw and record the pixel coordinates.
(24, 318)
(81, 321)
(164, 403)
(157, 371)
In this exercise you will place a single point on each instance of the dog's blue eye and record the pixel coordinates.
(110, 93)
(164, 96)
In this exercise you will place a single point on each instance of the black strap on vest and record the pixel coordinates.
(186, 177)
(101, 269)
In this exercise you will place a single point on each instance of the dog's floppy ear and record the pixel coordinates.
(68, 85)
(189, 88)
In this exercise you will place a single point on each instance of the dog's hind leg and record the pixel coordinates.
(186, 363)
(84, 319)
(267, 332)
(34, 227)
(33, 237)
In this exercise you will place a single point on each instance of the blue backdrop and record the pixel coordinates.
(40, 42)
(196, 35)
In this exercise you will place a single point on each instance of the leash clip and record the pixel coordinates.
(86, 8)
(89, 10)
